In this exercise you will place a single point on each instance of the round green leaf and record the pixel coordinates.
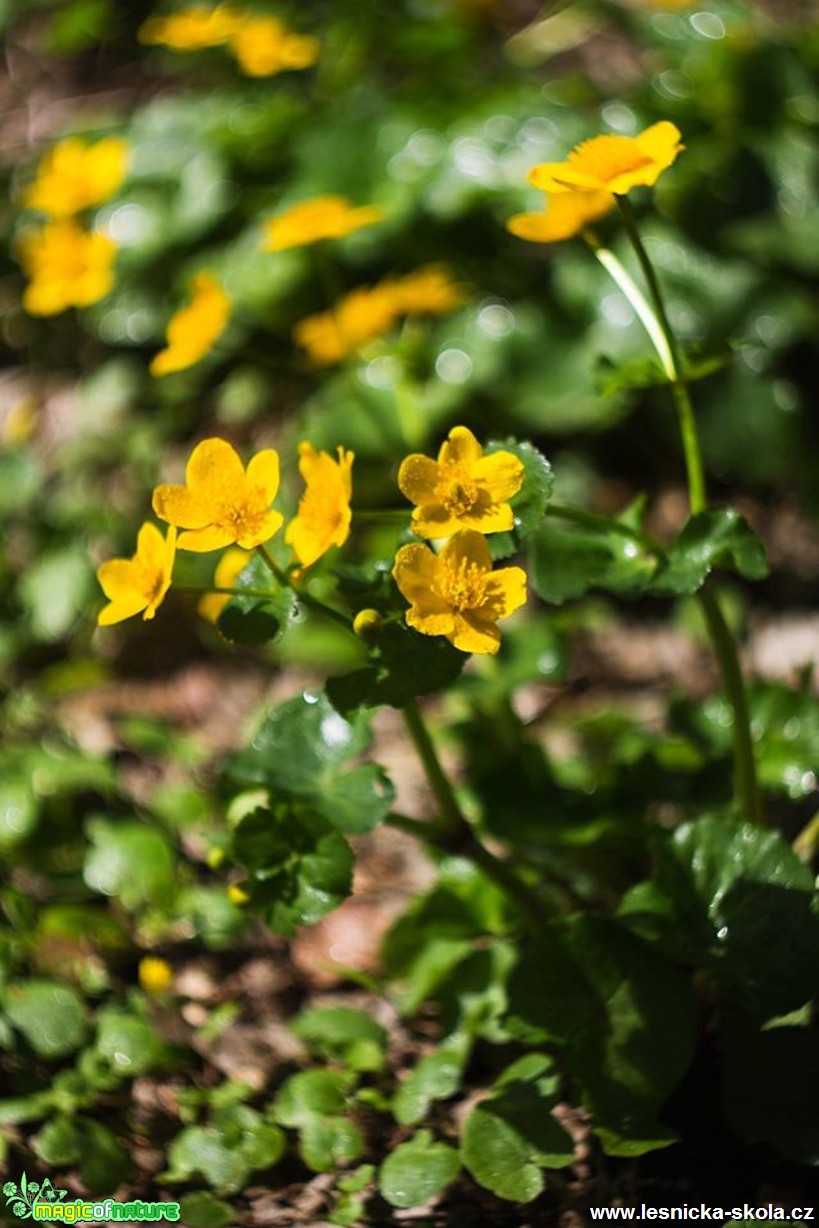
(50, 1016)
(417, 1171)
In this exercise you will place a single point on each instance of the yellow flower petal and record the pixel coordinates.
(192, 29)
(467, 549)
(612, 163)
(228, 569)
(460, 448)
(195, 328)
(138, 584)
(263, 471)
(263, 46)
(565, 215)
(500, 473)
(74, 175)
(311, 221)
(418, 478)
(324, 514)
(67, 267)
(472, 634)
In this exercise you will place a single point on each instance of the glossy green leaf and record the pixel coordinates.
(339, 1032)
(710, 539)
(300, 866)
(301, 750)
(250, 619)
(49, 1014)
(508, 1141)
(403, 665)
(568, 560)
(417, 1171)
(128, 1042)
(436, 1077)
(530, 503)
(130, 860)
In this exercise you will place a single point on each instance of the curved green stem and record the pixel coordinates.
(679, 388)
(451, 831)
(744, 759)
(662, 336)
(304, 597)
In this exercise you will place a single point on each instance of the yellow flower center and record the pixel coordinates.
(460, 493)
(244, 516)
(462, 585)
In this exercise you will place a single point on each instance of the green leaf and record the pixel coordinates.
(55, 589)
(301, 868)
(567, 560)
(710, 539)
(58, 1144)
(49, 1014)
(530, 503)
(771, 1091)
(237, 1143)
(744, 901)
(18, 812)
(130, 860)
(403, 665)
(417, 1171)
(310, 1093)
(649, 1021)
(300, 752)
(612, 378)
(327, 1143)
(340, 1033)
(203, 1210)
(436, 1077)
(254, 620)
(550, 996)
(128, 1042)
(509, 1139)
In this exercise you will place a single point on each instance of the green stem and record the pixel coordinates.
(304, 597)
(202, 591)
(452, 833)
(378, 514)
(734, 683)
(679, 388)
(720, 634)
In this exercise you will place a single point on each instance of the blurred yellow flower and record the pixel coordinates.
(192, 331)
(565, 214)
(155, 974)
(363, 314)
(228, 569)
(462, 489)
(75, 175)
(324, 515)
(427, 291)
(310, 221)
(456, 593)
(139, 584)
(221, 503)
(612, 163)
(264, 46)
(192, 29)
(66, 265)
(370, 311)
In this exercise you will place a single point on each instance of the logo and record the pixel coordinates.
(32, 1200)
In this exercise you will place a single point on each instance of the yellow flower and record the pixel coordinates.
(363, 314)
(75, 175)
(264, 46)
(228, 569)
(193, 330)
(310, 221)
(155, 974)
(429, 290)
(139, 584)
(193, 28)
(565, 214)
(456, 593)
(66, 266)
(324, 514)
(463, 489)
(221, 504)
(612, 163)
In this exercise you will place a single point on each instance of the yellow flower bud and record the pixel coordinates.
(237, 895)
(367, 624)
(155, 974)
